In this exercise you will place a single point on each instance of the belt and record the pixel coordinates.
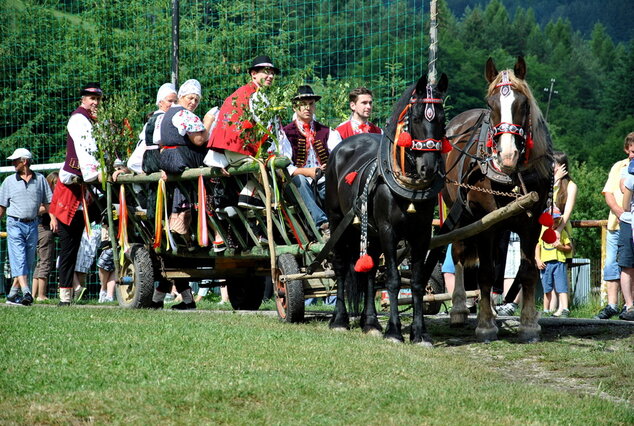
(23, 220)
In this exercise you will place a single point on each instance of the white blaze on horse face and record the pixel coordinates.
(507, 150)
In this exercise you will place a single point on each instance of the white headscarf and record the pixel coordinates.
(163, 91)
(189, 87)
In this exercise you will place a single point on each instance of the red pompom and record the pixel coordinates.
(549, 236)
(529, 142)
(489, 142)
(546, 220)
(364, 264)
(350, 177)
(405, 140)
(247, 125)
(446, 146)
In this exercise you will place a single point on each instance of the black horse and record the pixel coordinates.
(499, 153)
(391, 181)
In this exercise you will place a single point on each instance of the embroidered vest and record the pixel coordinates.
(71, 164)
(169, 133)
(149, 128)
(298, 143)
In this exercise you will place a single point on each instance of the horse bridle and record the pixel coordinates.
(404, 124)
(510, 128)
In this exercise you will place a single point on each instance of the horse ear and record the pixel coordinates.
(443, 83)
(421, 85)
(520, 68)
(491, 71)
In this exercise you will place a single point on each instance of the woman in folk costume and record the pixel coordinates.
(68, 209)
(309, 146)
(183, 139)
(233, 141)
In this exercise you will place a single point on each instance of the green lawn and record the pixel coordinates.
(110, 365)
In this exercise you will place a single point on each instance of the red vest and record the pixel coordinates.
(65, 201)
(345, 129)
(226, 135)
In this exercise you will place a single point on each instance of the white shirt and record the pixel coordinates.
(311, 158)
(80, 130)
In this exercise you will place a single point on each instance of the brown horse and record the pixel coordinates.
(499, 153)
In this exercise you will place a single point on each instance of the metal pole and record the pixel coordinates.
(433, 42)
(175, 40)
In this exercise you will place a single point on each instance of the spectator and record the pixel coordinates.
(70, 193)
(105, 264)
(21, 196)
(625, 250)
(85, 258)
(551, 261)
(359, 122)
(309, 145)
(564, 196)
(45, 248)
(513, 259)
(614, 199)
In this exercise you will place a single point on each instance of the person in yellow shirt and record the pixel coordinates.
(551, 261)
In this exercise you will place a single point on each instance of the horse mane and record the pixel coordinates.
(390, 128)
(541, 157)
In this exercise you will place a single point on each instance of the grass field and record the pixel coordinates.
(110, 365)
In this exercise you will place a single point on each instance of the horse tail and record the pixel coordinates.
(355, 291)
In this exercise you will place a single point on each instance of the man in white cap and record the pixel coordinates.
(21, 196)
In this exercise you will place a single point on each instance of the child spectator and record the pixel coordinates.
(551, 260)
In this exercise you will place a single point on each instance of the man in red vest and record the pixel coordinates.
(361, 106)
(309, 145)
(68, 206)
(236, 134)
(239, 112)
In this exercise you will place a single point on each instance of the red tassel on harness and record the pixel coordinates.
(247, 125)
(545, 219)
(405, 140)
(549, 236)
(350, 177)
(529, 145)
(446, 146)
(489, 142)
(364, 264)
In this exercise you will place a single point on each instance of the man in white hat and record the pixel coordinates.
(21, 196)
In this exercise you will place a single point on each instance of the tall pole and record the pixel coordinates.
(550, 95)
(433, 42)
(175, 40)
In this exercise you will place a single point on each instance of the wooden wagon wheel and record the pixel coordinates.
(289, 294)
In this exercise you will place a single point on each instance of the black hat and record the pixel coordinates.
(91, 89)
(305, 92)
(263, 62)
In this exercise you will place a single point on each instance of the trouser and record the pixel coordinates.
(69, 242)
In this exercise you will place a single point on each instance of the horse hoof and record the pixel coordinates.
(458, 319)
(392, 339)
(373, 332)
(424, 344)
(486, 335)
(339, 329)
(529, 334)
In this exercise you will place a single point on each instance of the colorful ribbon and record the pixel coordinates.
(203, 236)
(122, 235)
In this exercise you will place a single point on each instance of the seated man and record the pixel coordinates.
(309, 145)
(361, 106)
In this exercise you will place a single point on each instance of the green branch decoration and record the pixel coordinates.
(113, 132)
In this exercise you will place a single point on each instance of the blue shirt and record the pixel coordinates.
(22, 199)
